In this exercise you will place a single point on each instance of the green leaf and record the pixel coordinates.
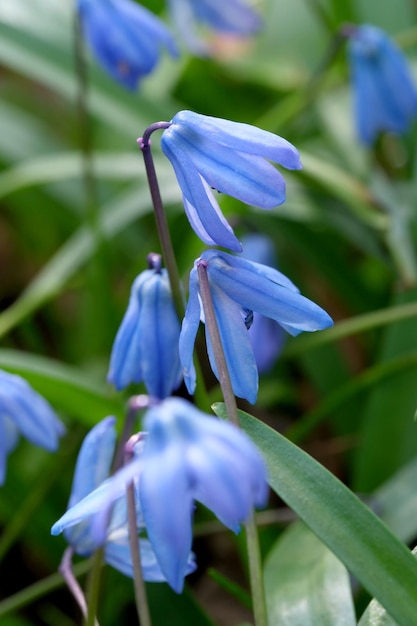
(356, 536)
(68, 390)
(305, 583)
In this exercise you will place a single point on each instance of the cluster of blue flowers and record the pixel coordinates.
(183, 455)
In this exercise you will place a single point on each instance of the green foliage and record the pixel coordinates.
(346, 236)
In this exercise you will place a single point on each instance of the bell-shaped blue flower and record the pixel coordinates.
(125, 38)
(234, 17)
(238, 288)
(265, 334)
(24, 411)
(384, 93)
(97, 510)
(146, 344)
(192, 456)
(232, 158)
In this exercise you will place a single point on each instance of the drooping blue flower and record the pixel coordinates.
(24, 411)
(125, 38)
(192, 456)
(97, 510)
(239, 287)
(384, 94)
(146, 344)
(233, 17)
(230, 157)
(265, 334)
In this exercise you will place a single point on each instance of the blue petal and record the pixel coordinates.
(166, 503)
(203, 212)
(249, 178)
(188, 333)
(250, 288)
(32, 415)
(158, 333)
(232, 16)
(124, 362)
(236, 345)
(117, 554)
(243, 138)
(124, 37)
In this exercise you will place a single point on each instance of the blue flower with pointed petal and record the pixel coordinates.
(24, 411)
(192, 456)
(385, 96)
(233, 17)
(96, 498)
(125, 38)
(146, 344)
(237, 286)
(265, 334)
(230, 157)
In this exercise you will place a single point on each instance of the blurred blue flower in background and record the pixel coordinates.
(230, 157)
(233, 17)
(125, 38)
(266, 335)
(146, 344)
(384, 93)
(97, 510)
(239, 287)
(23, 411)
(192, 456)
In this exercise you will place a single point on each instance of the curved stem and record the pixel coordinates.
(66, 570)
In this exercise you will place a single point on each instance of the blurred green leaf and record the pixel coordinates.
(305, 583)
(353, 533)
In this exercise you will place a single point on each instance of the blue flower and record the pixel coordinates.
(192, 456)
(233, 17)
(125, 38)
(230, 157)
(97, 510)
(146, 344)
(384, 93)
(265, 334)
(24, 411)
(239, 287)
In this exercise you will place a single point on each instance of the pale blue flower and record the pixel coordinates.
(239, 287)
(232, 158)
(146, 344)
(234, 17)
(97, 510)
(23, 411)
(192, 456)
(125, 38)
(265, 334)
(384, 92)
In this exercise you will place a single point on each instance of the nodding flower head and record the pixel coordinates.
(192, 456)
(230, 157)
(97, 509)
(239, 286)
(384, 94)
(125, 38)
(23, 411)
(146, 344)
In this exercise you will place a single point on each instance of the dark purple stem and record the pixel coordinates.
(160, 217)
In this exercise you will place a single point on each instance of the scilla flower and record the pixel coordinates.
(384, 93)
(90, 487)
(125, 38)
(230, 157)
(266, 335)
(146, 344)
(233, 17)
(23, 411)
(238, 288)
